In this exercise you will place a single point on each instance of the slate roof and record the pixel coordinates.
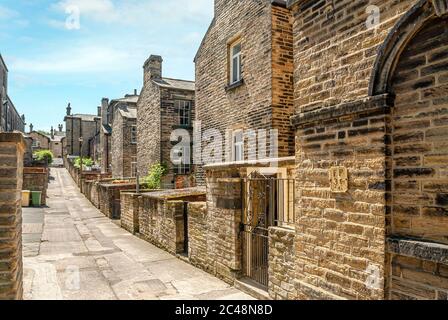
(85, 117)
(127, 99)
(175, 84)
(130, 113)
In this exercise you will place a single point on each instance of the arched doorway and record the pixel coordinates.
(412, 67)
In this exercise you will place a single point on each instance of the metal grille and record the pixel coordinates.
(268, 201)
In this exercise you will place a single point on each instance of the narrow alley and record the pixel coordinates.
(72, 251)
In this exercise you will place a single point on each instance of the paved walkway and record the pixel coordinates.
(71, 251)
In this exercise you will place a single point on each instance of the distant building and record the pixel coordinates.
(107, 111)
(164, 105)
(80, 129)
(40, 141)
(10, 119)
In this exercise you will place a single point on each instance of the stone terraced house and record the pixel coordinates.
(244, 102)
(10, 119)
(108, 111)
(164, 105)
(362, 210)
(124, 142)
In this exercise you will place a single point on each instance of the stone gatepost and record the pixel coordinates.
(12, 148)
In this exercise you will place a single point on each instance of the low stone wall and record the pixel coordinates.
(130, 212)
(36, 179)
(11, 175)
(417, 270)
(197, 236)
(109, 198)
(281, 264)
(161, 223)
(162, 217)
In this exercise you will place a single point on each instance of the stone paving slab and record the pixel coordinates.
(73, 252)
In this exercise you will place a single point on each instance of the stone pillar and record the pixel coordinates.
(11, 170)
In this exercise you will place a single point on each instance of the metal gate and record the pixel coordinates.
(255, 224)
(268, 201)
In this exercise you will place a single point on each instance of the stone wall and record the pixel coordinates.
(11, 173)
(161, 222)
(281, 264)
(130, 212)
(36, 179)
(109, 198)
(198, 236)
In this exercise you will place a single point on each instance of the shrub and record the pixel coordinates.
(44, 155)
(153, 180)
(86, 162)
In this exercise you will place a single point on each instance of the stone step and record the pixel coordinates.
(252, 288)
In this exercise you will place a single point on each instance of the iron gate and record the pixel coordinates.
(268, 201)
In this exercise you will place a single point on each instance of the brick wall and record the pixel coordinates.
(109, 198)
(11, 167)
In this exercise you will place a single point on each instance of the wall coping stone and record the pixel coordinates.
(12, 137)
(242, 164)
(430, 251)
(383, 101)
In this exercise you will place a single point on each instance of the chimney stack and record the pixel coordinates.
(152, 68)
(135, 92)
(52, 133)
(99, 111)
(69, 109)
(31, 127)
(104, 106)
(60, 127)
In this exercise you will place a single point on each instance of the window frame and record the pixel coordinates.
(232, 57)
(134, 134)
(186, 116)
(239, 144)
(183, 168)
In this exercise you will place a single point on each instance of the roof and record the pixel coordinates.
(85, 117)
(130, 113)
(40, 134)
(126, 99)
(175, 84)
(57, 138)
(3, 62)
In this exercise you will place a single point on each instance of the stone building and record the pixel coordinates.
(371, 98)
(164, 105)
(84, 126)
(10, 120)
(56, 137)
(124, 142)
(244, 102)
(244, 72)
(40, 141)
(107, 111)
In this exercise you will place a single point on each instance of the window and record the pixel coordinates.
(238, 146)
(184, 165)
(36, 144)
(134, 134)
(184, 109)
(235, 63)
(134, 167)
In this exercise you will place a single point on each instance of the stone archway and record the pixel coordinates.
(412, 67)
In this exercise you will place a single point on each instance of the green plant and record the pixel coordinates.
(44, 155)
(86, 162)
(154, 178)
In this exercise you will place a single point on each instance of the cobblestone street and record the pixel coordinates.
(70, 235)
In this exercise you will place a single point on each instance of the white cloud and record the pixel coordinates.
(139, 12)
(83, 59)
(6, 13)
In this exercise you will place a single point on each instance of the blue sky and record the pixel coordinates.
(52, 62)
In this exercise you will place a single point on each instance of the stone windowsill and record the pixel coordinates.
(251, 163)
(234, 85)
(430, 251)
